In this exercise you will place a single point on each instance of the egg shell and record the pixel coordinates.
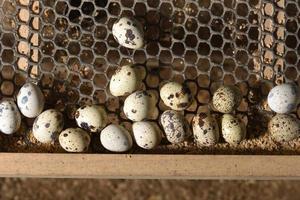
(116, 138)
(154, 112)
(176, 96)
(10, 117)
(233, 129)
(147, 135)
(74, 140)
(92, 118)
(138, 105)
(226, 99)
(124, 81)
(128, 32)
(48, 125)
(205, 129)
(284, 128)
(175, 126)
(284, 98)
(30, 100)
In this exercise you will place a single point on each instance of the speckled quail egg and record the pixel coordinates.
(205, 129)
(233, 129)
(91, 118)
(284, 128)
(30, 100)
(116, 138)
(175, 126)
(10, 117)
(176, 96)
(146, 134)
(124, 81)
(284, 98)
(226, 99)
(74, 140)
(48, 125)
(138, 105)
(128, 32)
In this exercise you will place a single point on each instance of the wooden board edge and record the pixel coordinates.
(148, 166)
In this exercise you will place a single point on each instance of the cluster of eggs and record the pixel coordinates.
(140, 104)
(139, 107)
(30, 102)
(283, 99)
(48, 124)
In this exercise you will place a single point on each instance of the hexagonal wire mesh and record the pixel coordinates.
(68, 47)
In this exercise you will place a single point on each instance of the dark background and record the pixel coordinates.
(44, 189)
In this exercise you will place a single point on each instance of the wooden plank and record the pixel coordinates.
(149, 166)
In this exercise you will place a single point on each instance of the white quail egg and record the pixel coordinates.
(226, 99)
(284, 128)
(175, 126)
(284, 98)
(124, 81)
(10, 117)
(116, 138)
(176, 96)
(233, 129)
(74, 140)
(91, 118)
(139, 105)
(48, 125)
(205, 129)
(146, 134)
(128, 32)
(30, 100)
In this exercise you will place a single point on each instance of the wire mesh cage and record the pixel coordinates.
(67, 47)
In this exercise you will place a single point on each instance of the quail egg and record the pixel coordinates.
(48, 125)
(128, 32)
(116, 138)
(284, 128)
(139, 105)
(74, 140)
(175, 126)
(10, 117)
(205, 129)
(233, 129)
(124, 81)
(30, 100)
(176, 96)
(146, 134)
(226, 99)
(91, 118)
(284, 98)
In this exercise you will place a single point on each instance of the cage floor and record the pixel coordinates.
(67, 48)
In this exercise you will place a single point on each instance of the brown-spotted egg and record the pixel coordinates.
(233, 129)
(10, 117)
(30, 100)
(124, 81)
(284, 128)
(92, 118)
(128, 32)
(74, 140)
(205, 129)
(226, 99)
(139, 105)
(176, 96)
(147, 135)
(175, 126)
(48, 125)
(116, 138)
